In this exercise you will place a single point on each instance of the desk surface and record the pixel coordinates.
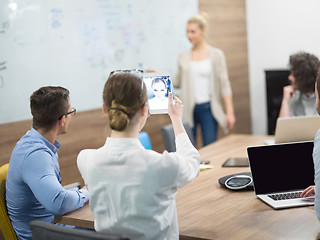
(208, 211)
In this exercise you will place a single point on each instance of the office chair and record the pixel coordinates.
(145, 140)
(169, 138)
(5, 223)
(49, 231)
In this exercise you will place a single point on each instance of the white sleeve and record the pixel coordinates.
(189, 160)
(81, 163)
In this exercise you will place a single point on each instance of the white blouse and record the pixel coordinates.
(132, 190)
(201, 71)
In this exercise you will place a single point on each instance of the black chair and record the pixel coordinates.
(169, 138)
(49, 231)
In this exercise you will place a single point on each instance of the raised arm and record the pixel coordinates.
(285, 104)
(175, 110)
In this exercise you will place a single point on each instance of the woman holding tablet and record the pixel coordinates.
(132, 190)
(203, 79)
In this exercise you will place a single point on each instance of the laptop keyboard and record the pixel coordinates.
(285, 196)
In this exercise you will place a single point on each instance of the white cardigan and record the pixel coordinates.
(132, 190)
(219, 85)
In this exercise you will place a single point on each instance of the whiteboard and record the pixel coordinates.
(76, 43)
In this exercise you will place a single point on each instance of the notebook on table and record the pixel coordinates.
(295, 129)
(281, 172)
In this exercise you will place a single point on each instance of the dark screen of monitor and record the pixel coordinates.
(282, 167)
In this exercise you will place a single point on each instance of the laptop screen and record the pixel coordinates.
(281, 167)
(296, 129)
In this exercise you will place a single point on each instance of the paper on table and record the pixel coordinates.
(205, 166)
(269, 141)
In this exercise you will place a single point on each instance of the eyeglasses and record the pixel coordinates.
(138, 71)
(72, 112)
(133, 71)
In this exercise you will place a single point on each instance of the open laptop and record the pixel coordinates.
(282, 170)
(295, 129)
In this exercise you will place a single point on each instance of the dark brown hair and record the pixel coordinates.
(304, 67)
(47, 105)
(123, 95)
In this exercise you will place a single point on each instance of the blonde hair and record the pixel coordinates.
(200, 19)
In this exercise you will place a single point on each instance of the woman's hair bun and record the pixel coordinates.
(204, 15)
(201, 19)
(118, 117)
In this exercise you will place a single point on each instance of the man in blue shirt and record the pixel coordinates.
(33, 187)
(315, 190)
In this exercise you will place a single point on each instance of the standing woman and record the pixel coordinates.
(132, 190)
(203, 79)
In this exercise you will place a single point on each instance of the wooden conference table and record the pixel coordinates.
(208, 211)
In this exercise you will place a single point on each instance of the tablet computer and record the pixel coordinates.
(158, 87)
(236, 162)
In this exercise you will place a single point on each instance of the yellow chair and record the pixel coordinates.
(5, 223)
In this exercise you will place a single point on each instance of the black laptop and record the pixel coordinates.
(281, 172)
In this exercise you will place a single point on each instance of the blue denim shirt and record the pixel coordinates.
(316, 161)
(33, 187)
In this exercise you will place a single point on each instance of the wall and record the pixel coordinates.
(228, 31)
(277, 29)
(76, 43)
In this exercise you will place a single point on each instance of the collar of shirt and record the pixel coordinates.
(299, 95)
(308, 98)
(124, 143)
(53, 147)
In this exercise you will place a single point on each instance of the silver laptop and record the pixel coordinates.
(296, 129)
(281, 172)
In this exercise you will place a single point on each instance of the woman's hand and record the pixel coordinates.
(175, 111)
(175, 108)
(308, 192)
(230, 117)
(231, 121)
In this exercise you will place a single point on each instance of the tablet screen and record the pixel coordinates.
(158, 88)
